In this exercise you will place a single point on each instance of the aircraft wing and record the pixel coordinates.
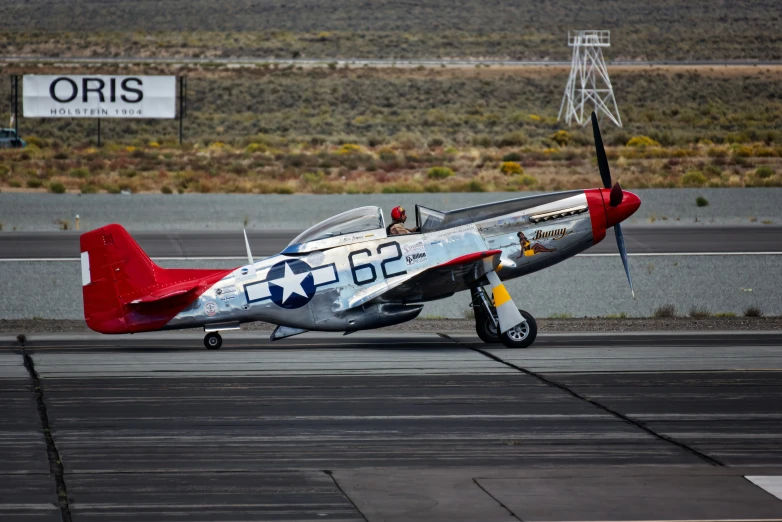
(457, 273)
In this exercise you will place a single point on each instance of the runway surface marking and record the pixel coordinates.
(203, 246)
(771, 484)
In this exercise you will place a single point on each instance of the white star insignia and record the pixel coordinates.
(290, 283)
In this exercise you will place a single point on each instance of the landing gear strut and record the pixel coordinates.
(488, 328)
(213, 341)
(486, 325)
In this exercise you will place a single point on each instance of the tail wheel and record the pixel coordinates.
(522, 335)
(486, 329)
(213, 341)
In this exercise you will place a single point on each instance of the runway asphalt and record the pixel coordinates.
(188, 244)
(393, 426)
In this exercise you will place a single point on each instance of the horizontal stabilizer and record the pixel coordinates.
(162, 295)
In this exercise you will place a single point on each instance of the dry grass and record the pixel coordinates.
(283, 130)
(662, 30)
(287, 167)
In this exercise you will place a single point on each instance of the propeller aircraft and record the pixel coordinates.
(348, 274)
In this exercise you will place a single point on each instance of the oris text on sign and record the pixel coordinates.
(67, 96)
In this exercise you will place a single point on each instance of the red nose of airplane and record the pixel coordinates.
(605, 215)
(626, 208)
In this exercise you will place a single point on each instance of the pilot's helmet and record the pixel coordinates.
(396, 213)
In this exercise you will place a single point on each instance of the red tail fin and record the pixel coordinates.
(124, 291)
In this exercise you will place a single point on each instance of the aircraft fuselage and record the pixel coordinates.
(351, 287)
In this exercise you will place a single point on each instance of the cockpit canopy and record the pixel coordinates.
(428, 219)
(353, 226)
(432, 220)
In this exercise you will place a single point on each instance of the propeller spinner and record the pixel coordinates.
(617, 196)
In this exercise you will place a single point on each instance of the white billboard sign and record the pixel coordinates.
(66, 96)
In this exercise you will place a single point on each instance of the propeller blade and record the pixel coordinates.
(620, 242)
(602, 160)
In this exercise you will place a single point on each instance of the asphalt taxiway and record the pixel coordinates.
(195, 244)
(392, 426)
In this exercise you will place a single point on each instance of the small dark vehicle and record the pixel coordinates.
(9, 140)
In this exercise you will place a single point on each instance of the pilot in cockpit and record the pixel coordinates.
(397, 226)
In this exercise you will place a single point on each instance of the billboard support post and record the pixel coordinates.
(16, 105)
(98, 132)
(181, 107)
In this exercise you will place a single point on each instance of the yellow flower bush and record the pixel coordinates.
(349, 148)
(252, 148)
(439, 173)
(561, 138)
(511, 168)
(642, 141)
(694, 178)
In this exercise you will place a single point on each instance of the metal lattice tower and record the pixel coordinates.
(588, 84)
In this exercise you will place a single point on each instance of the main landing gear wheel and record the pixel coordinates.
(213, 341)
(485, 328)
(522, 335)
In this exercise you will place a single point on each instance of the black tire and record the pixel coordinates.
(213, 341)
(522, 336)
(486, 329)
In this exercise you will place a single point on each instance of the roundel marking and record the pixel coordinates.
(291, 283)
